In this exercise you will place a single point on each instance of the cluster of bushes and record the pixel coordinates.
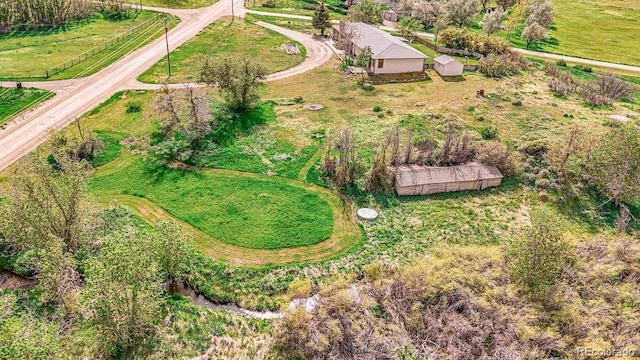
(471, 303)
(465, 40)
(343, 166)
(506, 64)
(604, 90)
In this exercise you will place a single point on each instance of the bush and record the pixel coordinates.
(134, 107)
(368, 87)
(506, 64)
(561, 63)
(583, 68)
(377, 108)
(270, 4)
(464, 40)
(489, 132)
(497, 154)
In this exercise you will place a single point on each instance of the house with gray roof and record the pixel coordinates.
(390, 54)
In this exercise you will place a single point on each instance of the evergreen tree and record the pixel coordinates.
(321, 19)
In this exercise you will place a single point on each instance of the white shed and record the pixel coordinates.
(445, 65)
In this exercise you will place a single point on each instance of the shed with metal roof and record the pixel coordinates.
(424, 180)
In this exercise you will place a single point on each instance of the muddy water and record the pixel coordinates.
(11, 280)
(198, 299)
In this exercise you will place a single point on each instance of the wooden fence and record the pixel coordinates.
(468, 67)
(87, 54)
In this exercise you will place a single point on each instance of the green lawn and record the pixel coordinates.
(224, 38)
(600, 30)
(14, 101)
(242, 211)
(179, 4)
(298, 7)
(46, 50)
(300, 25)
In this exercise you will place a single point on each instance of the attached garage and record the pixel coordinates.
(425, 180)
(445, 65)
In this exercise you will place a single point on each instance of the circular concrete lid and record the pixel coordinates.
(367, 214)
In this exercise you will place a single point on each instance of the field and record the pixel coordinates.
(224, 38)
(47, 50)
(298, 7)
(15, 101)
(178, 4)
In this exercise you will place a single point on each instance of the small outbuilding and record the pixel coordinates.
(445, 65)
(424, 180)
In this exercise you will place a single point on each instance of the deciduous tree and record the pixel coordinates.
(122, 293)
(492, 21)
(538, 256)
(534, 32)
(461, 12)
(237, 78)
(367, 11)
(615, 166)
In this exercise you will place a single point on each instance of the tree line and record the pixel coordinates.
(96, 269)
(36, 13)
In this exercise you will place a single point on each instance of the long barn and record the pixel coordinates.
(424, 180)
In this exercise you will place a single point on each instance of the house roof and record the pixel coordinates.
(383, 45)
(412, 175)
(444, 59)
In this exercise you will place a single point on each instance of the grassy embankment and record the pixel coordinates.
(15, 101)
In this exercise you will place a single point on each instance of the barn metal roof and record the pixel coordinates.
(412, 175)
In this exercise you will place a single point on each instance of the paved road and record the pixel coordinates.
(75, 97)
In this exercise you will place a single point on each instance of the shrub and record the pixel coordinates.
(534, 147)
(134, 107)
(497, 154)
(538, 257)
(583, 68)
(489, 132)
(368, 87)
(517, 103)
(380, 115)
(506, 64)
(464, 40)
(270, 4)
(561, 63)
(377, 108)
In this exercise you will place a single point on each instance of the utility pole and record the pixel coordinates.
(166, 39)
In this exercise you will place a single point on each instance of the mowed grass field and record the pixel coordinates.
(606, 30)
(240, 38)
(241, 211)
(297, 7)
(15, 101)
(31, 53)
(179, 4)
